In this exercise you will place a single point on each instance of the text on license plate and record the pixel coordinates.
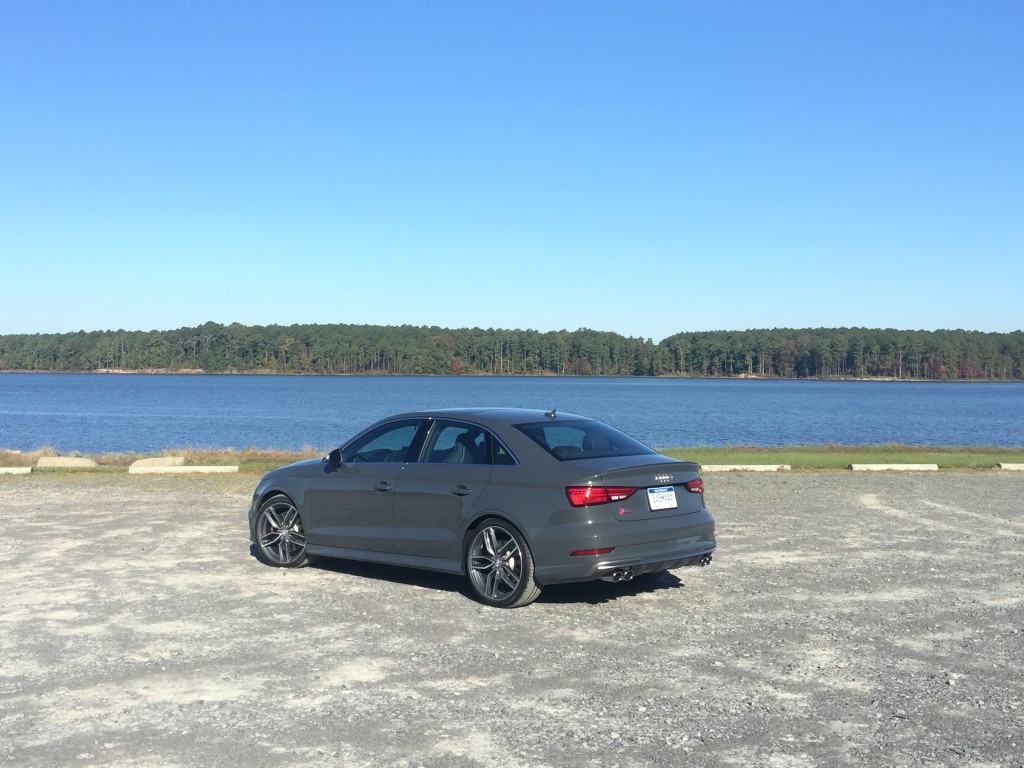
(662, 498)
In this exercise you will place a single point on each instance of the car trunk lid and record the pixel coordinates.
(652, 491)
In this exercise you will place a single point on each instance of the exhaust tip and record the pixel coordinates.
(619, 574)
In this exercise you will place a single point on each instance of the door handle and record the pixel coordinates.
(461, 490)
(383, 486)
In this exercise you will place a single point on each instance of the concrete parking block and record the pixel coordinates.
(894, 467)
(148, 470)
(65, 462)
(15, 470)
(160, 461)
(745, 468)
(1013, 467)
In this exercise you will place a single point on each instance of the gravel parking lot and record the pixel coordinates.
(847, 619)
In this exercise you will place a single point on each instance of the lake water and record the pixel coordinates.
(147, 413)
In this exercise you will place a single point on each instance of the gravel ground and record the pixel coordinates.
(868, 620)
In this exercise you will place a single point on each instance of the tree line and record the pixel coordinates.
(408, 350)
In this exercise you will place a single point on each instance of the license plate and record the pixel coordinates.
(661, 498)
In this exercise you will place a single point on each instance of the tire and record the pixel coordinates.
(280, 538)
(500, 566)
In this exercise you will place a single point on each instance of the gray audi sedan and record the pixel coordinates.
(514, 499)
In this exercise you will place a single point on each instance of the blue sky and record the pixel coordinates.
(639, 167)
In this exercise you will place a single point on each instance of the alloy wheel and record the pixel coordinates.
(279, 533)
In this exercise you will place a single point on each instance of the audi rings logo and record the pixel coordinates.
(663, 478)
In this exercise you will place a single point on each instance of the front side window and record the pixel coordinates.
(387, 443)
(567, 440)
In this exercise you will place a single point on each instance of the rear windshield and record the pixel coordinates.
(583, 439)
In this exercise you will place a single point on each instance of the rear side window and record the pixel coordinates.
(456, 442)
(567, 440)
(500, 453)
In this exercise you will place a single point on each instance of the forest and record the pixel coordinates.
(842, 353)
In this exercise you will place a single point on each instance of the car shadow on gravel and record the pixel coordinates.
(589, 592)
(397, 574)
(597, 592)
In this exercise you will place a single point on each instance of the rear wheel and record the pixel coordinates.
(280, 538)
(500, 566)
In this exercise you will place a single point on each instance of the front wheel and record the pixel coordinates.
(500, 566)
(280, 538)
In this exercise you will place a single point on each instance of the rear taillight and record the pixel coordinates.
(695, 486)
(587, 495)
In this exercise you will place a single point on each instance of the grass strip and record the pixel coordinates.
(838, 457)
(806, 458)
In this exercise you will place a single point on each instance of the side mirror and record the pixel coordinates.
(333, 459)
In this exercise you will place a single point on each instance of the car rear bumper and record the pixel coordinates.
(642, 547)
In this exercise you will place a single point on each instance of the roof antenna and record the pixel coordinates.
(550, 414)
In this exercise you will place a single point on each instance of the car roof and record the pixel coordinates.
(485, 415)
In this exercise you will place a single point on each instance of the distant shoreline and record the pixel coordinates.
(333, 349)
(479, 375)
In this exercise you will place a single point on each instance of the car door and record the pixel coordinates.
(353, 506)
(435, 494)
